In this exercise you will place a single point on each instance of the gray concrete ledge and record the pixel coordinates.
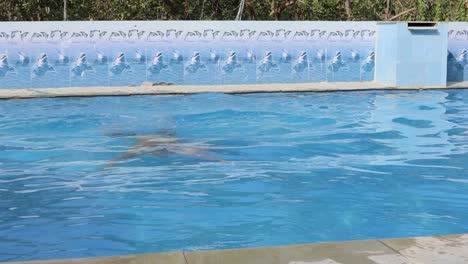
(191, 89)
(449, 249)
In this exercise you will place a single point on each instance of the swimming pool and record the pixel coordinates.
(83, 177)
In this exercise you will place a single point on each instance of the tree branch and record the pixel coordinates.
(402, 13)
(387, 10)
(286, 4)
(251, 9)
(348, 8)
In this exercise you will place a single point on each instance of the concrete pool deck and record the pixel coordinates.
(448, 249)
(154, 89)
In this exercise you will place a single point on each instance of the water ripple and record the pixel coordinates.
(296, 168)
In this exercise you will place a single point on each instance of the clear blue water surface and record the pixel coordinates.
(298, 168)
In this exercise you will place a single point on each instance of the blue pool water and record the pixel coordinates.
(229, 171)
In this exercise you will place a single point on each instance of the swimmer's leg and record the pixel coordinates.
(122, 157)
(194, 152)
(115, 135)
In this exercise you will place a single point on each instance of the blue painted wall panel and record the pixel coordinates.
(411, 57)
(386, 52)
(422, 56)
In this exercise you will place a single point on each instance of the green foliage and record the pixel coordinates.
(422, 10)
(438, 14)
(361, 10)
(461, 14)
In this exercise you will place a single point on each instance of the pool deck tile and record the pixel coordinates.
(452, 249)
(453, 85)
(351, 252)
(449, 249)
(160, 258)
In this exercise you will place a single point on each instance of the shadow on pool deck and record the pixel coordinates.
(449, 249)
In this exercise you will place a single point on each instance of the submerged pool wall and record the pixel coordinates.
(110, 53)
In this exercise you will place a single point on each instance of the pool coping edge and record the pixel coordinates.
(155, 89)
(437, 249)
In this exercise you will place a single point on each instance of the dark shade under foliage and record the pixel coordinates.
(359, 10)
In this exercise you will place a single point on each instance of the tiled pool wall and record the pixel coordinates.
(457, 58)
(122, 53)
(110, 53)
